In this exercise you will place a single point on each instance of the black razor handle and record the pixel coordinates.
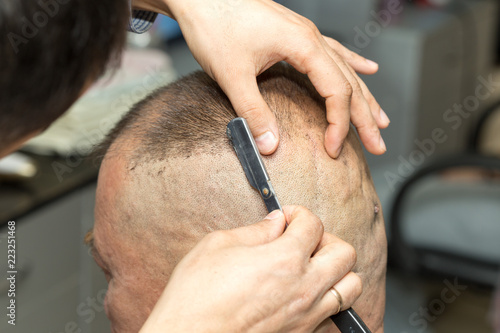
(348, 321)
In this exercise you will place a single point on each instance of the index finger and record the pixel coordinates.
(331, 83)
(305, 230)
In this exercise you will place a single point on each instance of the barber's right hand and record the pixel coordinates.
(258, 278)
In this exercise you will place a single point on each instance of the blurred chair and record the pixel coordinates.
(485, 138)
(447, 221)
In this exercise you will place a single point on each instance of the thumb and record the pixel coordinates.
(261, 232)
(249, 104)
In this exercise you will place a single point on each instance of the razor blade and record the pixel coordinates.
(243, 143)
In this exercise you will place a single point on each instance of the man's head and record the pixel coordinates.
(50, 51)
(170, 176)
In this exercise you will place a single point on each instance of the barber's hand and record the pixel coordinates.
(236, 40)
(259, 279)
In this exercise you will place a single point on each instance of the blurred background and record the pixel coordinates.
(439, 182)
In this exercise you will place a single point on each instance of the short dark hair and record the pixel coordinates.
(192, 113)
(49, 51)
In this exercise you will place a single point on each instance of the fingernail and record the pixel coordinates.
(382, 144)
(384, 117)
(275, 214)
(266, 142)
(372, 63)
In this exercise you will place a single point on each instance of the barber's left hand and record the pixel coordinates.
(236, 40)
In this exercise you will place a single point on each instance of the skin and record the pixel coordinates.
(293, 39)
(222, 36)
(147, 219)
(234, 41)
(262, 307)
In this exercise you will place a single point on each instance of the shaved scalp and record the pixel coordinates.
(170, 176)
(191, 114)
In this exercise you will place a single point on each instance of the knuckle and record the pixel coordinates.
(358, 285)
(313, 34)
(317, 224)
(248, 109)
(368, 126)
(309, 49)
(302, 303)
(217, 238)
(356, 89)
(301, 210)
(304, 29)
(308, 298)
(310, 24)
(308, 27)
(372, 128)
(347, 89)
(313, 219)
(291, 265)
(256, 117)
(310, 41)
(372, 101)
(350, 254)
(334, 44)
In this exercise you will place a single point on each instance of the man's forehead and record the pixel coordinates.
(111, 182)
(113, 170)
(111, 179)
